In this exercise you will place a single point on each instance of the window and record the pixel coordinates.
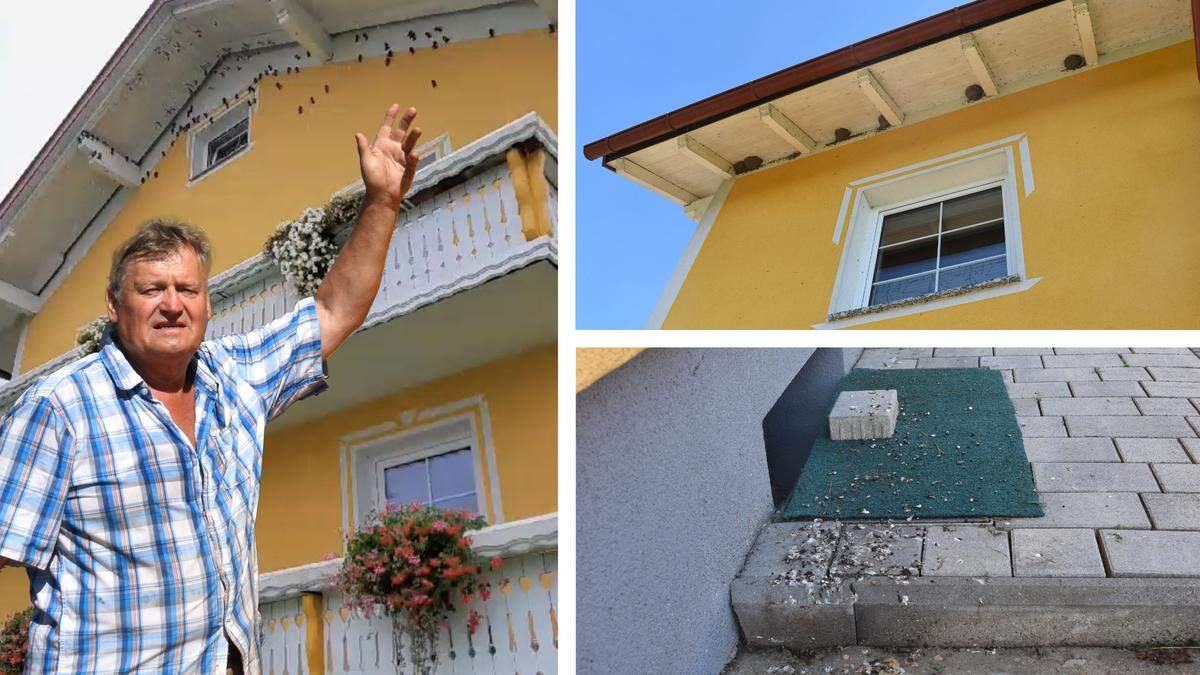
(446, 481)
(223, 139)
(940, 246)
(228, 143)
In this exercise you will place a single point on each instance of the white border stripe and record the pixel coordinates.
(837, 228)
(1026, 165)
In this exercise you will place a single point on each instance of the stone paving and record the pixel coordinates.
(1113, 437)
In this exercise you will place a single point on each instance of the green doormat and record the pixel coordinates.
(957, 452)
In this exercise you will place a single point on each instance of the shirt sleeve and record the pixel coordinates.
(35, 472)
(282, 360)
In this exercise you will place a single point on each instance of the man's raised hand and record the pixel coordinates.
(389, 163)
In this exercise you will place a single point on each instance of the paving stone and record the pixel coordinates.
(1178, 477)
(1027, 407)
(1093, 477)
(1091, 350)
(966, 551)
(804, 546)
(864, 415)
(899, 352)
(962, 351)
(1086, 509)
(1184, 389)
(1007, 375)
(1123, 388)
(1022, 351)
(1089, 406)
(1123, 373)
(901, 364)
(1194, 423)
(879, 550)
(1169, 374)
(1082, 360)
(1041, 427)
(1143, 553)
(1037, 389)
(1160, 350)
(1177, 360)
(1192, 445)
(1165, 406)
(1071, 450)
(1151, 450)
(1128, 426)
(1056, 553)
(1002, 362)
(949, 362)
(1053, 374)
(1175, 511)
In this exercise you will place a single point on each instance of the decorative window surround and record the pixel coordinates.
(202, 138)
(866, 199)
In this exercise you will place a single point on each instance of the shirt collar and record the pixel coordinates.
(127, 379)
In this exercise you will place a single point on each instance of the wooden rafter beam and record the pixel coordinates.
(879, 97)
(304, 28)
(788, 130)
(1087, 34)
(979, 65)
(108, 162)
(19, 299)
(652, 181)
(703, 156)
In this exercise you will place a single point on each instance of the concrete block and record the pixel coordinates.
(1182, 389)
(1010, 362)
(1037, 389)
(1091, 350)
(1071, 450)
(794, 617)
(1174, 374)
(1096, 405)
(879, 550)
(1151, 450)
(877, 363)
(782, 547)
(861, 415)
(899, 352)
(1151, 553)
(1022, 351)
(949, 362)
(1173, 360)
(1175, 511)
(1054, 374)
(1194, 423)
(966, 551)
(1125, 426)
(1041, 427)
(962, 351)
(1028, 612)
(1027, 407)
(1165, 406)
(1087, 509)
(1192, 445)
(1082, 360)
(1118, 388)
(1160, 350)
(1056, 553)
(1093, 477)
(1125, 373)
(1178, 477)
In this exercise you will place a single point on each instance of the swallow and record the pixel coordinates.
(411, 50)
(412, 35)
(434, 82)
(445, 39)
(360, 58)
(299, 110)
(326, 89)
(491, 32)
(278, 85)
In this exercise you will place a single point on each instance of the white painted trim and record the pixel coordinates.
(978, 63)
(1026, 165)
(19, 299)
(785, 128)
(529, 535)
(25, 322)
(684, 266)
(1087, 35)
(938, 160)
(703, 156)
(837, 227)
(489, 446)
(933, 304)
(879, 97)
(199, 138)
(304, 28)
(652, 181)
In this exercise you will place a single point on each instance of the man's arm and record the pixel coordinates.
(388, 165)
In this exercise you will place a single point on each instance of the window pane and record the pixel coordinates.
(909, 225)
(974, 244)
(899, 290)
(972, 209)
(906, 259)
(405, 484)
(468, 502)
(452, 473)
(973, 274)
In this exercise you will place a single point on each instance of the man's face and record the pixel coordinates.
(162, 310)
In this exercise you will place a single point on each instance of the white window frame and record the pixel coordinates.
(423, 442)
(902, 190)
(202, 137)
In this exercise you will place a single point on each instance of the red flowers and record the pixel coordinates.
(14, 642)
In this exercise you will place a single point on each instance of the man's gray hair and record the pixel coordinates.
(157, 239)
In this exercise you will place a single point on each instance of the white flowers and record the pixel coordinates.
(303, 249)
(91, 336)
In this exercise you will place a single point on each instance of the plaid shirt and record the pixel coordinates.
(140, 547)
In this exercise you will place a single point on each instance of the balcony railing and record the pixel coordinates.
(517, 633)
(464, 227)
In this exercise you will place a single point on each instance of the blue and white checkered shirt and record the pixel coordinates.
(140, 547)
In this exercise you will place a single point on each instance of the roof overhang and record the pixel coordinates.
(909, 74)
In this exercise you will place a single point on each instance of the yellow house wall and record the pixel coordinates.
(298, 160)
(300, 508)
(1112, 227)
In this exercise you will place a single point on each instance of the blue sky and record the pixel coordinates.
(637, 60)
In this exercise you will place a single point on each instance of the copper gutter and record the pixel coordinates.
(952, 22)
(93, 89)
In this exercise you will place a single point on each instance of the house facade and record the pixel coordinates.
(1017, 164)
(236, 115)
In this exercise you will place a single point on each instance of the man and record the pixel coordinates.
(129, 479)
